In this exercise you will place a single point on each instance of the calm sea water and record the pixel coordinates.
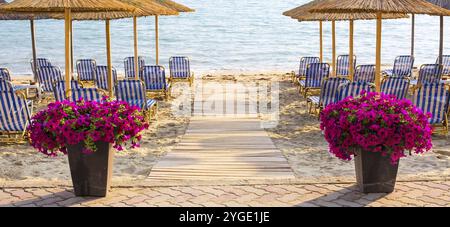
(222, 35)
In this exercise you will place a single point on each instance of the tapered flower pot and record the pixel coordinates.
(375, 173)
(91, 173)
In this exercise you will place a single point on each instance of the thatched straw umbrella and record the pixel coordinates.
(143, 8)
(68, 7)
(302, 13)
(379, 7)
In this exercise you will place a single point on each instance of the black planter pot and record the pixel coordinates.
(91, 173)
(374, 173)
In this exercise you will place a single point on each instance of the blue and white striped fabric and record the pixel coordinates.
(179, 67)
(6, 85)
(86, 69)
(352, 89)
(315, 73)
(343, 64)
(397, 86)
(14, 112)
(304, 62)
(87, 94)
(4, 74)
(47, 76)
(101, 77)
(329, 90)
(41, 62)
(445, 65)
(428, 73)
(154, 78)
(129, 66)
(433, 98)
(133, 92)
(403, 66)
(59, 89)
(365, 73)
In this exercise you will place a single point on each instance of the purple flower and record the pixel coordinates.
(70, 123)
(376, 122)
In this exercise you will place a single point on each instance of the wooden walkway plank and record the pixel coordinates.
(223, 148)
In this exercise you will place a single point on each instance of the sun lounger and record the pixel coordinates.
(343, 65)
(353, 89)
(434, 98)
(101, 77)
(86, 69)
(15, 112)
(403, 66)
(180, 69)
(154, 78)
(129, 66)
(397, 86)
(133, 92)
(315, 73)
(365, 73)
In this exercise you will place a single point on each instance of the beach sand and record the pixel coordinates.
(297, 135)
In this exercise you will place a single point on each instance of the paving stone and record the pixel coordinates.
(311, 195)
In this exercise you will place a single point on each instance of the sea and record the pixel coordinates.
(221, 36)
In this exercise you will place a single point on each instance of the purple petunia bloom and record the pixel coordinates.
(375, 122)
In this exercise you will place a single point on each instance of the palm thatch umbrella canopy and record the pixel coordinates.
(302, 13)
(175, 6)
(379, 7)
(67, 7)
(143, 8)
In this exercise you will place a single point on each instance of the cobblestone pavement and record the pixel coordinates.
(431, 193)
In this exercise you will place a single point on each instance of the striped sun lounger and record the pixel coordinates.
(315, 73)
(403, 66)
(101, 77)
(304, 62)
(87, 94)
(397, 86)
(47, 76)
(180, 69)
(365, 73)
(445, 65)
(129, 66)
(343, 65)
(15, 112)
(154, 78)
(4, 74)
(133, 92)
(328, 92)
(353, 89)
(428, 73)
(59, 89)
(86, 69)
(40, 62)
(434, 98)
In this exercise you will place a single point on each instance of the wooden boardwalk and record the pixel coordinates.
(223, 148)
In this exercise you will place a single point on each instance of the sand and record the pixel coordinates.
(297, 135)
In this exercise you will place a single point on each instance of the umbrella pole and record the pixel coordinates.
(33, 47)
(378, 54)
(333, 31)
(71, 45)
(321, 40)
(351, 66)
(108, 58)
(136, 57)
(441, 40)
(67, 19)
(157, 39)
(413, 27)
